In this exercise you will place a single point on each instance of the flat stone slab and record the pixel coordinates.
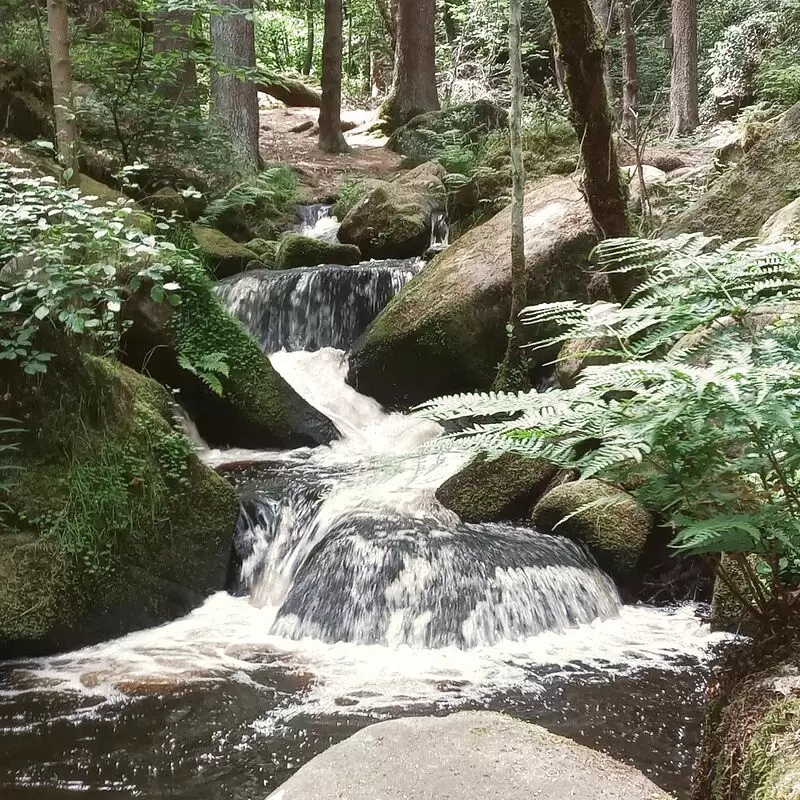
(472, 754)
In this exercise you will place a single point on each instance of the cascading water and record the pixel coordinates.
(318, 222)
(315, 307)
(359, 595)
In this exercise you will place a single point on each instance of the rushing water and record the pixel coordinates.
(360, 598)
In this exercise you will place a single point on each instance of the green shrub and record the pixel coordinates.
(350, 192)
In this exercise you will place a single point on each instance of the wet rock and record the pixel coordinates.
(472, 754)
(223, 256)
(393, 219)
(748, 194)
(615, 531)
(422, 137)
(505, 488)
(445, 331)
(295, 250)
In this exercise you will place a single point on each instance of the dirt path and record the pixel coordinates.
(322, 173)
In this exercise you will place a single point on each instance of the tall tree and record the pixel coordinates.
(604, 15)
(308, 61)
(510, 376)
(630, 72)
(582, 53)
(414, 86)
(331, 139)
(172, 40)
(61, 76)
(234, 95)
(684, 112)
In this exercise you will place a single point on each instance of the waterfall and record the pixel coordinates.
(310, 308)
(318, 222)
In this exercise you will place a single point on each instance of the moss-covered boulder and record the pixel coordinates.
(265, 250)
(296, 250)
(424, 136)
(253, 406)
(223, 256)
(748, 194)
(615, 530)
(114, 524)
(491, 490)
(393, 219)
(750, 748)
(445, 331)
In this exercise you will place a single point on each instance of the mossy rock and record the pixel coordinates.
(577, 354)
(491, 490)
(106, 194)
(167, 202)
(393, 219)
(751, 732)
(445, 331)
(116, 524)
(257, 408)
(265, 250)
(296, 250)
(220, 253)
(748, 194)
(615, 531)
(423, 137)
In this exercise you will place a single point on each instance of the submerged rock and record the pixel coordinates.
(116, 524)
(393, 219)
(256, 407)
(222, 255)
(744, 198)
(472, 754)
(493, 490)
(615, 531)
(296, 250)
(445, 332)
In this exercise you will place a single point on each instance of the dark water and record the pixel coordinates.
(221, 741)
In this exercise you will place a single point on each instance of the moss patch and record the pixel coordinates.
(296, 250)
(221, 254)
(504, 488)
(615, 530)
(116, 523)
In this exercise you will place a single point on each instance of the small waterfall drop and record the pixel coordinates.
(317, 221)
(310, 308)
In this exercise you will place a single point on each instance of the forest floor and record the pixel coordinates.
(289, 135)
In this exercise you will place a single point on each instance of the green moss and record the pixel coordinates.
(615, 530)
(266, 251)
(110, 503)
(296, 250)
(489, 490)
(203, 327)
(221, 254)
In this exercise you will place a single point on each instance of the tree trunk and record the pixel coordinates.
(414, 86)
(291, 91)
(630, 73)
(389, 21)
(172, 39)
(581, 51)
(330, 120)
(603, 15)
(684, 112)
(309, 58)
(511, 375)
(235, 99)
(61, 76)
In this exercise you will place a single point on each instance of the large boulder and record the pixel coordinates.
(472, 754)
(393, 219)
(748, 194)
(445, 331)
(751, 735)
(615, 530)
(220, 253)
(423, 137)
(115, 524)
(491, 490)
(783, 224)
(296, 250)
(256, 407)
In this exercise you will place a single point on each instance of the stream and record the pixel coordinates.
(359, 598)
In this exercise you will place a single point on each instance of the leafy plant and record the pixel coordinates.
(210, 368)
(700, 413)
(350, 192)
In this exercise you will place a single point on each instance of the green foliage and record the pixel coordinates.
(351, 191)
(271, 193)
(210, 367)
(69, 258)
(700, 414)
